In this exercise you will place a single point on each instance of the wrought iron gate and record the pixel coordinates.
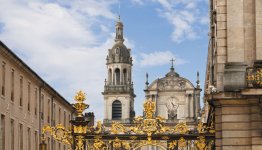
(145, 130)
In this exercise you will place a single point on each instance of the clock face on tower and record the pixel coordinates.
(172, 103)
(172, 106)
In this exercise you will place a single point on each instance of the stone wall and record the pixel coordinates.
(236, 39)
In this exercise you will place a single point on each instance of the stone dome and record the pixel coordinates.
(119, 53)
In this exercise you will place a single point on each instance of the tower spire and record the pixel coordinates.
(119, 31)
(147, 80)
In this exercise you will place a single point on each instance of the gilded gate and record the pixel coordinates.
(146, 130)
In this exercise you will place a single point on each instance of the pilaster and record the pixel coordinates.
(220, 11)
(235, 31)
(249, 31)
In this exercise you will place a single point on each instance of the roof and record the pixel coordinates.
(172, 80)
(45, 84)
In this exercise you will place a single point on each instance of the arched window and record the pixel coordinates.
(116, 110)
(109, 76)
(117, 50)
(117, 76)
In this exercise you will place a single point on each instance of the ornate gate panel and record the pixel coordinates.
(145, 131)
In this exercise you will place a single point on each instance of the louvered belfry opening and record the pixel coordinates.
(116, 110)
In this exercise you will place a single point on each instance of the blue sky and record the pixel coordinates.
(66, 42)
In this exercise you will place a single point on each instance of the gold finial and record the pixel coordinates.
(149, 108)
(80, 96)
(80, 106)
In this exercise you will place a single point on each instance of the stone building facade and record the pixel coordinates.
(118, 90)
(177, 100)
(27, 103)
(233, 82)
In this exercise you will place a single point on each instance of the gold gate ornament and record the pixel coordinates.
(145, 130)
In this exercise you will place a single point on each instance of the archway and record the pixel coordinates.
(117, 76)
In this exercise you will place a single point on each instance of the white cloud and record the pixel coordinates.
(185, 17)
(93, 8)
(159, 58)
(139, 2)
(57, 40)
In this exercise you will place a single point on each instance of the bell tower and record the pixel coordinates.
(118, 90)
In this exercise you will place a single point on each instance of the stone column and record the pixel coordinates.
(121, 75)
(113, 76)
(130, 75)
(109, 110)
(105, 109)
(127, 76)
(197, 103)
(190, 106)
(127, 108)
(187, 107)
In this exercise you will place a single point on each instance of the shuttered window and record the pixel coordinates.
(116, 110)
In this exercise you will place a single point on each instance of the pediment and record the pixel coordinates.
(174, 84)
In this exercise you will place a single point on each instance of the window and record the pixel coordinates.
(21, 144)
(48, 111)
(117, 76)
(12, 84)
(65, 124)
(29, 96)
(12, 135)
(116, 110)
(29, 138)
(42, 106)
(36, 101)
(69, 119)
(21, 91)
(2, 132)
(36, 141)
(54, 114)
(3, 78)
(59, 113)
(117, 50)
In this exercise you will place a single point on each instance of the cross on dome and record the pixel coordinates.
(172, 61)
